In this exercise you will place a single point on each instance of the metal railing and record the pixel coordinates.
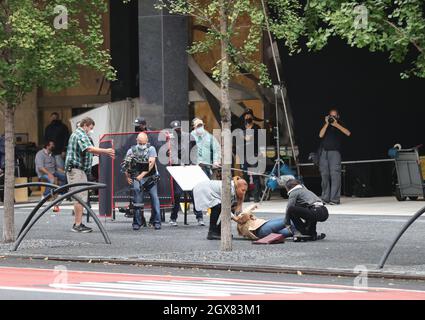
(85, 186)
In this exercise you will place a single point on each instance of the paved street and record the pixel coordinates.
(352, 241)
(26, 279)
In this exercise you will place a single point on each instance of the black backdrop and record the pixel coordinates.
(377, 106)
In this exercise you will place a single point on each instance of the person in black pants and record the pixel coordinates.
(207, 194)
(332, 134)
(181, 143)
(251, 153)
(304, 210)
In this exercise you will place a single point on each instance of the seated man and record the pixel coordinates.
(304, 210)
(251, 227)
(46, 168)
(207, 194)
(144, 181)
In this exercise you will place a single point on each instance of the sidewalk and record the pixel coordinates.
(352, 240)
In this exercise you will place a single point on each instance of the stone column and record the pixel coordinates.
(163, 69)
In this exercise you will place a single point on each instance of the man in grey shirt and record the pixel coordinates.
(45, 166)
(304, 209)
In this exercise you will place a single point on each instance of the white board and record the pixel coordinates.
(187, 177)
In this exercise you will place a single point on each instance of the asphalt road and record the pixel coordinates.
(40, 280)
(352, 241)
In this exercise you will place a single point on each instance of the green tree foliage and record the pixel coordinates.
(37, 49)
(35, 53)
(393, 26)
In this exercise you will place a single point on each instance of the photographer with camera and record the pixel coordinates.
(141, 172)
(331, 134)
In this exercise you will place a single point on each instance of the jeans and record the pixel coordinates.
(276, 225)
(61, 180)
(178, 192)
(310, 216)
(152, 189)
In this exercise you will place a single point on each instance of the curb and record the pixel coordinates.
(228, 267)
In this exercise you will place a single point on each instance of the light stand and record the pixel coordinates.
(279, 87)
(278, 160)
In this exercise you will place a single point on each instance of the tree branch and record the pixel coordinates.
(403, 34)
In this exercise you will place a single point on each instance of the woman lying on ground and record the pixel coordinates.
(251, 227)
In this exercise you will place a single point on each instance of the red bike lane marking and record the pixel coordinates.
(184, 287)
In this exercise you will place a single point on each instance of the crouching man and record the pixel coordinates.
(207, 194)
(304, 210)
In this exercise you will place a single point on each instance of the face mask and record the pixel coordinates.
(248, 121)
(91, 133)
(200, 131)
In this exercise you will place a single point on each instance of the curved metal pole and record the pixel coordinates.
(56, 190)
(102, 229)
(405, 227)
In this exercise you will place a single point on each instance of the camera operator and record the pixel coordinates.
(147, 180)
(331, 134)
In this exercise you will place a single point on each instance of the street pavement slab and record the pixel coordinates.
(355, 240)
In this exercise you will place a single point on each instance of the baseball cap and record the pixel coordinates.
(197, 122)
(139, 121)
(248, 111)
(175, 124)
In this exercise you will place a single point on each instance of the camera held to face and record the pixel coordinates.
(331, 119)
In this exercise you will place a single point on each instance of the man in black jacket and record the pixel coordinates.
(251, 130)
(304, 210)
(57, 132)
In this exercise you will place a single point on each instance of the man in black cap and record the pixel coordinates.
(251, 130)
(140, 125)
(180, 155)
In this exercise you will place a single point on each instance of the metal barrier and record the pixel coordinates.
(405, 227)
(29, 222)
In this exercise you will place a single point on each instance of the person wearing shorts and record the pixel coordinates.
(79, 157)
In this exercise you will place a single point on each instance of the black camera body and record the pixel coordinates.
(331, 119)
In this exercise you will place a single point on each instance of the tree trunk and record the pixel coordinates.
(226, 141)
(9, 177)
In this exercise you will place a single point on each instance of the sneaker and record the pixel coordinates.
(157, 227)
(334, 203)
(81, 228)
(173, 223)
(56, 209)
(136, 227)
(201, 222)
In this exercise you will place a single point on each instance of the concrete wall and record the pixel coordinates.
(26, 117)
